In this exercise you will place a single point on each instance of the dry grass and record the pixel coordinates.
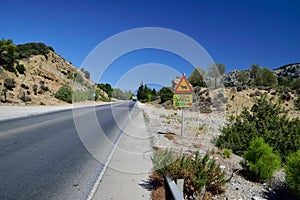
(170, 136)
(158, 149)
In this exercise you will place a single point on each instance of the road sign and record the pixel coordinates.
(183, 100)
(183, 87)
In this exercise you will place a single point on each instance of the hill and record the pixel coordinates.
(32, 73)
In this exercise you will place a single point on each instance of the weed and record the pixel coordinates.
(227, 153)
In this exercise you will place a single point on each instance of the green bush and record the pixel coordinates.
(32, 48)
(64, 93)
(265, 119)
(261, 159)
(292, 170)
(197, 172)
(20, 68)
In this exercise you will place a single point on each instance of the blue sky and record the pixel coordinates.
(236, 33)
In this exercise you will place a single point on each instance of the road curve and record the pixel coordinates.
(43, 157)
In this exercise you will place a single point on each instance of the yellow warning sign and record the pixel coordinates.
(183, 87)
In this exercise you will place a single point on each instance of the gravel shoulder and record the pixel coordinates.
(200, 130)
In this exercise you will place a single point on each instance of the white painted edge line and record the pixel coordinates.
(98, 181)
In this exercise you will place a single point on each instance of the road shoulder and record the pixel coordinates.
(128, 171)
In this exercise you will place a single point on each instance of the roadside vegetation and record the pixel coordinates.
(202, 175)
(267, 139)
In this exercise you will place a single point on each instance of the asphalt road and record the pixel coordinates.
(43, 156)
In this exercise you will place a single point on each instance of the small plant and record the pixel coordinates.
(196, 171)
(227, 153)
(9, 83)
(35, 89)
(292, 170)
(24, 98)
(163, 116)
(261, 159)
(202, 127)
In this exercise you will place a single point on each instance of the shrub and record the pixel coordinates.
(261, 159)
(28, 49)
(20, 68)
(24, 98)
(24, 86)
(9, 83)
(35, 88)
(64, 93)
(265, 119)
(292, 170)
(196, 171)
(43, 87)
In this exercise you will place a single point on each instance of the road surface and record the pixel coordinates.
(43, 156)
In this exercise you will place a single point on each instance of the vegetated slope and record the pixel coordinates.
(35, 76)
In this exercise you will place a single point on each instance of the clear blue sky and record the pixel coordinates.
(236, 33)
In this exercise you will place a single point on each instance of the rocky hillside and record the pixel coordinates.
(35, 79)
(289, 71)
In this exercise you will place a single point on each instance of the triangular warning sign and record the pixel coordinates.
(183, 87)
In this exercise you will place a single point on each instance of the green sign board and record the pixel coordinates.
(183, 100)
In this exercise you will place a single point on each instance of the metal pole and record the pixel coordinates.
(182, 118)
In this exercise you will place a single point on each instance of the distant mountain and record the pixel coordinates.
(289, 71)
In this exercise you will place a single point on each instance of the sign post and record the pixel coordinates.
(183, 97)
